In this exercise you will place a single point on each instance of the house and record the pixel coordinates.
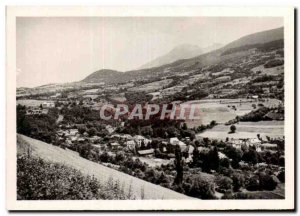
(222, 155)
(188, 153)
(139, 139)
(130, 144)
(95, 139)
(203, 149)
(237, 143)
(115, 145)
(253, 141)
(255, 97)
(110, 129)
(175, 141)
(268, 147)
(147, 152)
(36, 111)
(48, 104)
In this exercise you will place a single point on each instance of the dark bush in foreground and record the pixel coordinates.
(41, 180)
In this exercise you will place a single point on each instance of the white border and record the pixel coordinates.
(13, 12)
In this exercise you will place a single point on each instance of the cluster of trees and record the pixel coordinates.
(79, 115)
(263, 78)
(137, 97)
(41, 127)
(273, 63)
(263, 47)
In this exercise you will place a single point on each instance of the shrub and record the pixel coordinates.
(41, 180)
(281, 176)
(201, 188)
(267, 182)
(224, 183)
(238, 181)
(253, 184)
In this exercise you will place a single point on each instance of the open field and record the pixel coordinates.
(30, 102)
(103, 174)
(221, 110)
(269, 71)
(272, 129)
(150, 87)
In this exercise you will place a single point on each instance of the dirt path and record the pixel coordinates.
(102, 173)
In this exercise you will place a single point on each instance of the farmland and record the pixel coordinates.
(224, 110)
(273, 129)
(30, 102)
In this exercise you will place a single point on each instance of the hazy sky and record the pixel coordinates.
(57, 50)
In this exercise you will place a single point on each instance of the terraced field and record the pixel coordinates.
(103, 174)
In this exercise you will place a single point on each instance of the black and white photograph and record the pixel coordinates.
(150, 108)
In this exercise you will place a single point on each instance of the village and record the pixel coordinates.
(229, 145)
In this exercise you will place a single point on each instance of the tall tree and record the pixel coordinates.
(178, 166)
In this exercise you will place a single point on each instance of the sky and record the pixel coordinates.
(59, 49)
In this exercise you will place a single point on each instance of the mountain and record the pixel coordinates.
(104, 75)
(257, 38)
(231, 51)
(212, 47)
(183, 51)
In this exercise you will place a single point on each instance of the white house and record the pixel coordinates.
(139, 139)
(48, 104)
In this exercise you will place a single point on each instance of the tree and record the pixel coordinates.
(184, 126)
(213, 159)
(234, 154)
(253, 183)
(213, 123)
(92, 131)
(196, 157)
(178, 166)
(281, 176)
(224, 183)
(232, 129)
(238, 181)
(81, 130)
(201, 188)
(250, 156)
(267, 182)
(225, 162)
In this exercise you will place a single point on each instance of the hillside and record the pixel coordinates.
(103, 75)
(101, 173)
(257, 38)
(183, 51)
(188, 64)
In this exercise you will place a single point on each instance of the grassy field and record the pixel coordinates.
(272, 129)
(150, 87)
(30, 102)
(101, 173)
(221, 111)
(269, 71)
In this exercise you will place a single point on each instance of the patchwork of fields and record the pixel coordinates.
(222, 110)
(273, 129)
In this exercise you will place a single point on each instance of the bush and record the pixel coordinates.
(41, 180)
(281, 176)
(253, 184)
(267, 182)
(201, 188)
(238, 181)
(224, 183)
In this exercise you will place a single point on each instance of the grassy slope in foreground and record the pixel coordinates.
(103, 174)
